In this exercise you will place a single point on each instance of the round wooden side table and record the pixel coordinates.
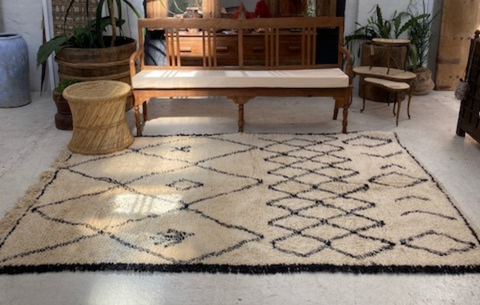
(394, 87)
(393, 43)
(98, 112)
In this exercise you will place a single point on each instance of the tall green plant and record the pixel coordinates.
(420, 33)
(113, 6)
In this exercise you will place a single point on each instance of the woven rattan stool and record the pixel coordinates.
(98, 112)
(395, 87)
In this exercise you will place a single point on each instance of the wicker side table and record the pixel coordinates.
(98, 112)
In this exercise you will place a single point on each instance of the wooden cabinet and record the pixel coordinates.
(469, 116)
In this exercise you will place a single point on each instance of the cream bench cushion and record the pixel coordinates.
(187, 79)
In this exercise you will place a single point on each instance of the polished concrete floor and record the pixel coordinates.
(29, 143)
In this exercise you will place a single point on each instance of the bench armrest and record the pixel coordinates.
(349, 66)
(133, 61)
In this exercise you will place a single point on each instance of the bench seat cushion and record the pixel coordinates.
(186, 79)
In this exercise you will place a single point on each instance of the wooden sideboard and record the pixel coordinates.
(212, 8)
(191, 49)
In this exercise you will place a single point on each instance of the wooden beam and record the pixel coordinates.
(156, 8)
(272, 5)
(211, 8)
(326, 8)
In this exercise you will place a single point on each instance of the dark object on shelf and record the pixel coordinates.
(469, 116)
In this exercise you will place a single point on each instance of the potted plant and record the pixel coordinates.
(420, 34)
(88, 54)
(63, 117)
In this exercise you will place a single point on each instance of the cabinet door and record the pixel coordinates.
(191, 51)
(289, 50)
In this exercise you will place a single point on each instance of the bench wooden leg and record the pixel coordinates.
(335, 110)
(241, 121)
(345, 119)
(145, 111)
(138, 124)
(240, 101)
(346, 105)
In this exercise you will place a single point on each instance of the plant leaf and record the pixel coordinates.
(66, 15)
(98, 22)
(411, 22)
(53, 45)
(133, 8)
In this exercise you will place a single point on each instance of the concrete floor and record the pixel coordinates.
(30, 143)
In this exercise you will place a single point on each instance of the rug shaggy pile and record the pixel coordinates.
(241, 203)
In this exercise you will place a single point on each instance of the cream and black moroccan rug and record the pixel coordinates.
(241, 203)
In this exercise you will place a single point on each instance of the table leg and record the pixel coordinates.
(395, 102)
(364, 93)
(409, 100)
(399, 104)
(388, 59)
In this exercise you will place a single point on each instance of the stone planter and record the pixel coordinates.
(14, 73)
(423, 83)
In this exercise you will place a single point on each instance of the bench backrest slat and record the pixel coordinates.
(274, 30)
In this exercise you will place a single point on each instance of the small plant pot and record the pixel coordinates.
(63, 117)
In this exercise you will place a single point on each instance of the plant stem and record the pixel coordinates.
(114, 26)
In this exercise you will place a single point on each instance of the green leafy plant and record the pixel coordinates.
(420, 33)
(379, 27)
(91, 35)
(64, 84)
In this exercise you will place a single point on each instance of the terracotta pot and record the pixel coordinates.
(63, 117)
(423, 83)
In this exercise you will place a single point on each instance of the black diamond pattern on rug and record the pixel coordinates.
(438, 243)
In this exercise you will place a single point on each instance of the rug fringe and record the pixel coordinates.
(468, 221)
(62, 159)
(13, 216)
(254, 270)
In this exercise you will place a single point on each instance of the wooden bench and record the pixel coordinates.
(243, 81)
